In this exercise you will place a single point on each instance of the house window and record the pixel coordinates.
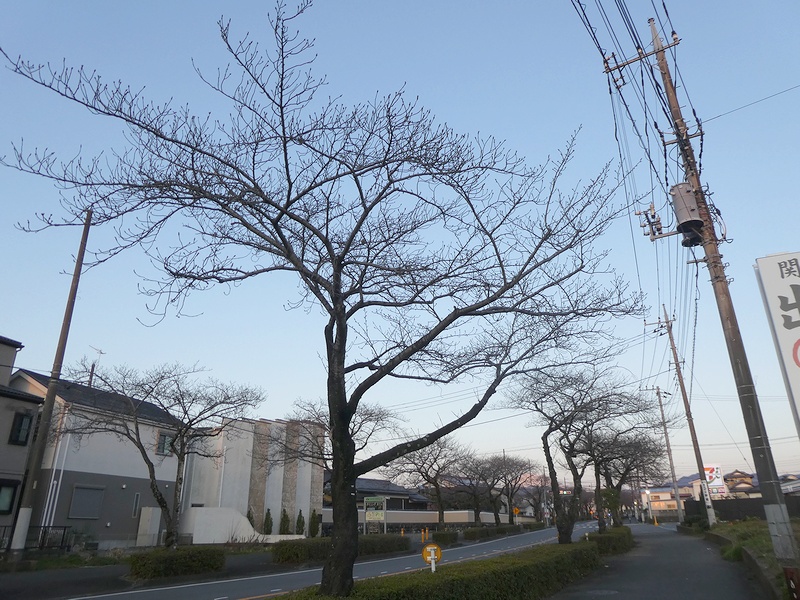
(8, 491)
(164, 441)
(86, 502)
(21, 429)
(136, 499)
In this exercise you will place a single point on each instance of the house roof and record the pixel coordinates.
(9, 342)
(382, 487)
(83, 395)
(9, 392)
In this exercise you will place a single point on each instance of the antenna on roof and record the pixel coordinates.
(94, 363)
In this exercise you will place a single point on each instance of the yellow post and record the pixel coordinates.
(402, 532)
(655, 520)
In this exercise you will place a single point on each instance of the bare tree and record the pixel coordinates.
(575, 407)
(534, 492)
(163, 411)
(514, 473)
(619, 458)
(469, 480)
(432, 467)
(433, 255)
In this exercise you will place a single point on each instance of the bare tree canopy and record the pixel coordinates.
(432, 467)
(433, 255)
(190, 412)
(583, 411)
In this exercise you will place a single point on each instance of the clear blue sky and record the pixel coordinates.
(520, 71)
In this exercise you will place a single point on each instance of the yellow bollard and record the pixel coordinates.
(655, 520)
(402, 532)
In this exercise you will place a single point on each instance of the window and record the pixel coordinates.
(8, 491)
(164, 441)
(136, 500)
(21, 429)
(86, 502)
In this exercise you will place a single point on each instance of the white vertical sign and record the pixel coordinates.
(779, 279)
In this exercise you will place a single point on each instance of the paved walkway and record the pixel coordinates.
(666, 565)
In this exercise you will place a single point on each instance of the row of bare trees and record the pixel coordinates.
(592, 425)
(455, 477)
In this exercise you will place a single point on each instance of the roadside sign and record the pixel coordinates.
(516, 510)
(431, 552)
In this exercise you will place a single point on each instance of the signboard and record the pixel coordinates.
(779, 279)
(431, 552)
(716, 482)
(375, 514)
(375, 508)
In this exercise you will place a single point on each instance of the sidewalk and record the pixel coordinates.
(666, 565)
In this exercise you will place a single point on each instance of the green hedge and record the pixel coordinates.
(615, 540)
(166, 562)
(531, 574)
(535, 526)
(318, 549)
(445, 538)
(483, 533)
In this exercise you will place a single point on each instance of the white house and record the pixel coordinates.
(99, 486)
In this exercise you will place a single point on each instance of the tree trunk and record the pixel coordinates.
(337, 573)
(437, 492)
(598, 502)
(564, 522)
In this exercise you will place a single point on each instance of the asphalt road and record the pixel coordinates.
(664, 565)
(262, 586)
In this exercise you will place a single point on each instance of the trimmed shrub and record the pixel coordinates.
(300, 524)
(166, 562)
(615, 540)
(445, 538)
(318, 549)
(535, 526)
(268, 523)
(483, 533)
(383, 544)
(479, 533)
(527, 575)
(313, 523)
(300, 551)
(285, 524)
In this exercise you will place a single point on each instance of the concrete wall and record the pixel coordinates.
(222, 526)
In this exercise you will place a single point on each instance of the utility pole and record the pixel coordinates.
(712, 518)
(780, 528)
(675, 488)
(31, 487)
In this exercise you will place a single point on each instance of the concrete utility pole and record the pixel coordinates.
(31, 488)
(675, 487)
(780, 528)
(712, 518)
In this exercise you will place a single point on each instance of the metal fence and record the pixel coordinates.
(40, 538)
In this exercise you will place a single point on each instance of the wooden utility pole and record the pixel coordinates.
(712, 518)
(32, 487)
(780, 528)
(675, 487)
